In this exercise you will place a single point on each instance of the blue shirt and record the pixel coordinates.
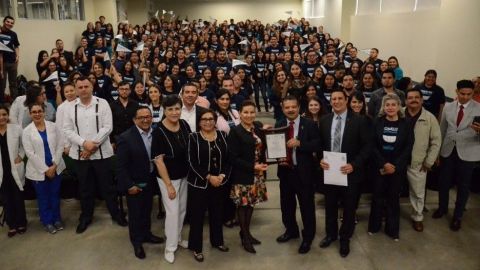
(147, 142)
(48, 154)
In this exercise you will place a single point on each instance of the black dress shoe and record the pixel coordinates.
(154, 239)
(82, 226)
(327, 241)
(222, 248)
(304, 247)
(455, 225)
(286, 237)
(438, 214)
(139, 252)
(121, 221)
(344, 248)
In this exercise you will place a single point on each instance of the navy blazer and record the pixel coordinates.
(356, 141)
(133, 162)
(309, 137)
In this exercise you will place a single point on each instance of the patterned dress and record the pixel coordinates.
(251, 195)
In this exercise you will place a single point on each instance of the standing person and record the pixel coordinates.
(91, 151)
(459, 152)
(425, 151)
(208, 160)
(155, 98)
(433, 94)
(123, 111)
(43, 144)
(295, 174)
(12, 174)
(392, 148)
(388, 87)
(190, 111)
(346, 132)
(247, 157)
(36, 94)
(136, 177)
(10, 59)
(169, 151)
(227, 118)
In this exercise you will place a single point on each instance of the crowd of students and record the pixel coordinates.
(189, 92)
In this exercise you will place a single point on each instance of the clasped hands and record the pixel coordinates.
(89, 147)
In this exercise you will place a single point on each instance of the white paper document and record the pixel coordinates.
(333, 176)
(276, 147)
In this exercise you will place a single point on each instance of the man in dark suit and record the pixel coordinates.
(296, 173)
(345, 132)
(135, 174)
(190, 111)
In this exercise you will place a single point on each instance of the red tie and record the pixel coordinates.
(460, 115)
(291, 133)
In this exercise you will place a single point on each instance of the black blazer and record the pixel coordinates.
(242, 153)
(356, 141)
(309, 137)
(133, 162)
(199, 159)
(403, 145)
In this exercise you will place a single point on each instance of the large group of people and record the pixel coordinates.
(174, 103)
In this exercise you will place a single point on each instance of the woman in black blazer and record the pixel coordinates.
(393, 141)
(247, 156)
(209, 170)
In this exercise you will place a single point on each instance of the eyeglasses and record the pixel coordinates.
(143, 118)
(207, 119)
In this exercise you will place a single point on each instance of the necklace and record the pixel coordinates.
(208, 138)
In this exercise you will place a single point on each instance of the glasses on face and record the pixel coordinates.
(207, 119)
(143, 118)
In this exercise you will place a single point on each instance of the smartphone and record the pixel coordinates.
(476, 119)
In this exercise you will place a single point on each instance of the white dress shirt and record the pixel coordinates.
(87, 127)
(190, 117)
(61, 111)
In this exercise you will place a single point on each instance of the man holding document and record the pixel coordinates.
(296, 172)
(344, 138)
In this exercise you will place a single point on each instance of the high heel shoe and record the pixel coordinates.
(11, 233)
(253, 240)
(247, 244)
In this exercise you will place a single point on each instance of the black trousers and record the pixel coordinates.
(453, 167)
(349, 196)
(202, 200)
(93, 173)
(229, 207)
(386, 195)
(139, 214)
(13, 203)
(291, 188)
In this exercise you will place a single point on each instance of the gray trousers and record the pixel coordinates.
(417, 181)
(10, 73)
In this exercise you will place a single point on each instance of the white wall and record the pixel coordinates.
(37, 35)
(332, 22)
(267, 11)
(444, 39)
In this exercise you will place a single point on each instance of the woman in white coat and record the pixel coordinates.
(12, 174)
(43, 144)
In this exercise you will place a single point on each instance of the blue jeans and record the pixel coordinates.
(48, 198)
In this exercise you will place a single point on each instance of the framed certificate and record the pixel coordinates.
(276, 140)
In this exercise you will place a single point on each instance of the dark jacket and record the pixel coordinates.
(356, 141)
(242, 154)
(199, 159)
(309, 137)
(403, 145)
(133, 162)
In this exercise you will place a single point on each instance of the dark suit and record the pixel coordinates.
(133, 168)
(298, 180)
(386, 188)
(355, 143)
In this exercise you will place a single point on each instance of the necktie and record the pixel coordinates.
(291, 133)
(337, 136)
(460, 115)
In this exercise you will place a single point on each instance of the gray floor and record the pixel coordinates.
(106, 246)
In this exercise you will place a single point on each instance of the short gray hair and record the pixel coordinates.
(388, 97)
